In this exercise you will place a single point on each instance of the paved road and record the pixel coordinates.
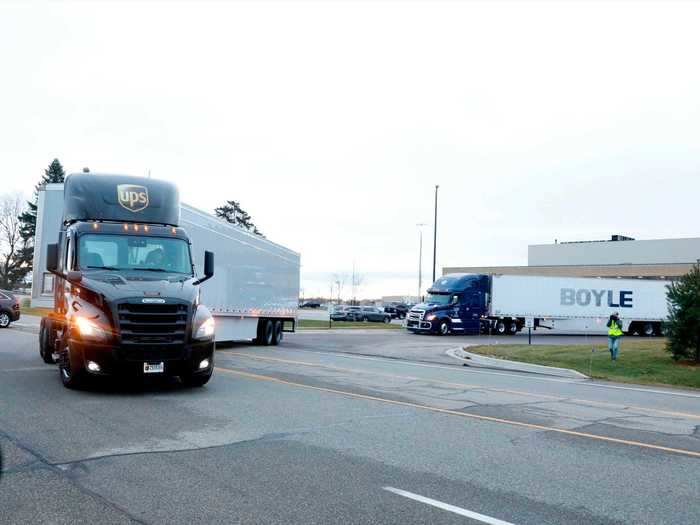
(321, 431)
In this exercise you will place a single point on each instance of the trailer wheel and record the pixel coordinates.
(45, 347)
(268, 332)
(277, 332)
(444, 328)
(648, 330)
(512, 328)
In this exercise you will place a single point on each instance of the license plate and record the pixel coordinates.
(153, 368)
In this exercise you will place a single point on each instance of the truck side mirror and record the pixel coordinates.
(209, 264)
(52, 258)
(208, 267)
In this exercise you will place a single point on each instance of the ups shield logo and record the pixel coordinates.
(133, 198)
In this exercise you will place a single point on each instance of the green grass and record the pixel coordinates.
(321, 325)
(639, 361)
(41, 312)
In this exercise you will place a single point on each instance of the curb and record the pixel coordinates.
(480, 361)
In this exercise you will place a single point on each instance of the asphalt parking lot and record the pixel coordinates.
(343, 427)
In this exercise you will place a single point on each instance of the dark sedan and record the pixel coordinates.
(9, 308)
(397, 310)
(370, 314)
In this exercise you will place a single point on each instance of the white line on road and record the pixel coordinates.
(446, 506)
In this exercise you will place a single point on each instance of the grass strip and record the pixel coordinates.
(640, 361)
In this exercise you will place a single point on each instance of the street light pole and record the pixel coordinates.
(435, 231)
(420, 259)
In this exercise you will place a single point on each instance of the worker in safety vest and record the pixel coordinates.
(614, 334)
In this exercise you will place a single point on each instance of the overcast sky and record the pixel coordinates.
(331, 122)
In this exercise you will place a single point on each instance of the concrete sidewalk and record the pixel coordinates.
(480, 361)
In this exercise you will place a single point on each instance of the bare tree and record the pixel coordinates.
(339, 279)
(12, 267)
(357, 281)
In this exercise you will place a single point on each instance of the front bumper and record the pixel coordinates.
(423, 326)
(115, 359)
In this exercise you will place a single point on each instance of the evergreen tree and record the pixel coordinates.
(683, 326)
(53, 174)
(233, 213)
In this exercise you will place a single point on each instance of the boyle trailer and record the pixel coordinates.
(504, 304)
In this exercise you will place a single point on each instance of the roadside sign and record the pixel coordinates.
(529, 322)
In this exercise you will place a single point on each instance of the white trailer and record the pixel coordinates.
(578, 304)
(254, 279)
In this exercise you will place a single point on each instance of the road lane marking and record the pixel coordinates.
(24, 369)
(449, 508)
(468, 385)
(461, 414)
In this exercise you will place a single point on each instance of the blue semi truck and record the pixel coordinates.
(505, 304)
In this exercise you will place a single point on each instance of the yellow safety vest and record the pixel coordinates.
(614, 329)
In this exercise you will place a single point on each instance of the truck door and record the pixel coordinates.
(470, 312)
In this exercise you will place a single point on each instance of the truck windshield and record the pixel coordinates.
(435, 298)
(130, 252)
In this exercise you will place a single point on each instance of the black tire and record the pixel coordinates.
(364, 319)
(72, 374)
(198, 380)
(45, 347)
(402, 316)
(512, 328)
(277, 333)
(267, 332)
(648, 330)
(444, 328)
(387, 319)
(4, 319)
(501, 328)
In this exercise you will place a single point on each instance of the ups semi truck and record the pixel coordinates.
(505, 304)
(117, 260)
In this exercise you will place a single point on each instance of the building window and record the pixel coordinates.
(47, 284)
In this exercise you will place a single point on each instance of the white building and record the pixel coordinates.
(618, 257)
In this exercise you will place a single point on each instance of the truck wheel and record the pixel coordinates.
(648, 329)
(268, 333)
(277, 333)
(192, 380)
(4, 320)
(45, 348)
(444, 328)
(501, 328)
(72, 376)
(513, 328)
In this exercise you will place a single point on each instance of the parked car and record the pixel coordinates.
(339, 313)
(9, 308)
(397, 310)
(310, 304)
(369, 313)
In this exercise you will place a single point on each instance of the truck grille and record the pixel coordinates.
(415, 315)
(153, 327)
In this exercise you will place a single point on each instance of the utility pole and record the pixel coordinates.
(435, 232)
(420, 259)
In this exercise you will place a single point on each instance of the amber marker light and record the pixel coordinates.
(94, 225)
(126, 227)
(136, 227)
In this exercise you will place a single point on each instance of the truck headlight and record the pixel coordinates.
(89, 329)
(203, 325)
